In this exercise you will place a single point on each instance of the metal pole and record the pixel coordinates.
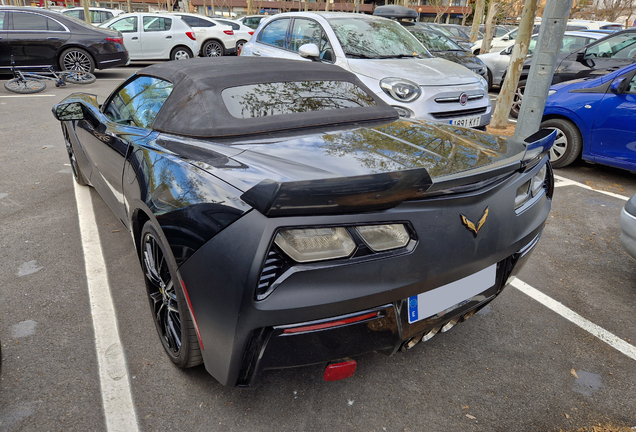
(555, 16)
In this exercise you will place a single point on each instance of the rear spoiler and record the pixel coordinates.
(338, 195)
(374, 192)
(537, 146)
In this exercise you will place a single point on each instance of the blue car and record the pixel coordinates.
(594, 119)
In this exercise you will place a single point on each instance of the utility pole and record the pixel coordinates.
(553, 22)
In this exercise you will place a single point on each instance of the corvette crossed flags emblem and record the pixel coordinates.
(471, 225)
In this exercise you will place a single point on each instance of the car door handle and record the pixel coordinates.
(168, 37)
(256, 53)
(53, 38)
(134, 38)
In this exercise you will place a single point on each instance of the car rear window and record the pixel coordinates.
(270, 99)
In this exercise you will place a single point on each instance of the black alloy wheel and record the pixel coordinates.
(167, 302)
(77, 172)
(76, 59)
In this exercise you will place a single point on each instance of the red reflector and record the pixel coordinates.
(228, 32)
(251, 33)
(338, 371)
(196, 326)
(118, 40)
(191, 35)
(332, 323)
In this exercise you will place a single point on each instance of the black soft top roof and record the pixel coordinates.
(195, 107)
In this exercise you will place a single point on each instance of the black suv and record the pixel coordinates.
(598, 58)
(41, 38)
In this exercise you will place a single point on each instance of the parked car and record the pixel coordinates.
(499, 30)
(214, 38)
(593, 25)
(605, 55)
(38, 38)
(458, 31)
(97, 15)
(502, 42)
(628, 226)
(242, 32)
(408, 18)
(386, 57)
(497, 62)
(594, 120)
(441, 46)
(303, 222)
(252, 21)
(152, 36)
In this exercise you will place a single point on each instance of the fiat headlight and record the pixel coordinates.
(400, 89)
(484, 82)
(315, 244)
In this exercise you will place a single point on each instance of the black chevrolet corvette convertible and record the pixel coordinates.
(284, 215)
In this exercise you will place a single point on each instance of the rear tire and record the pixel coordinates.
(212, 49)
(24, 85)
(516, 102)
(489, 78)
(568, 143)
(76, 59)
(181, 53)
(167, 302)
(78, 77)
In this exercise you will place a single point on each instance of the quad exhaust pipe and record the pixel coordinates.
(410, 343)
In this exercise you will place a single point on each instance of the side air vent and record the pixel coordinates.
(272, 268)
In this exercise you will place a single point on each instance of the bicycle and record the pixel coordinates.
(31, 82)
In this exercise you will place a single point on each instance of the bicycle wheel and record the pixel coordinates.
(25, 85)
(78, 77)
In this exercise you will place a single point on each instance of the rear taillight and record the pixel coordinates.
(251, 33)
(117, 40)
(191, 35)
(229, 32)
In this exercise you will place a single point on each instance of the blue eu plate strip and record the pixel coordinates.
(412, 309)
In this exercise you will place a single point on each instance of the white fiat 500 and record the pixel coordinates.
(386, 57)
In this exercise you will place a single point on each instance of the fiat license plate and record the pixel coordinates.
(466, 122)
(432, 302)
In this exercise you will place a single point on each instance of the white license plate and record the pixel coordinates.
(440, 299)
(466, 122)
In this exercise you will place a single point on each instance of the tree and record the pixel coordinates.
(480, 5)
(519, 52)
(493, 10)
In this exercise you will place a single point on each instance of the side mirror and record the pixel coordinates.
(505, 38)
(309, 51)
(508, 51)
(68, 111)
(580, 56)
(617, 85)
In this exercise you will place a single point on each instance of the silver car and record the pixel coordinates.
(628, 226)
(385, 57)
(497, 62)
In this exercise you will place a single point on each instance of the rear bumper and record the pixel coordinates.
(242, 336)
(111, 60)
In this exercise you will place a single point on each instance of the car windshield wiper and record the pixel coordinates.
(401, 56)
(361, 56)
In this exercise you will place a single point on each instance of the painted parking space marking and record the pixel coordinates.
(28, 96)
(562, 181)
(595, 330)
(117, 399)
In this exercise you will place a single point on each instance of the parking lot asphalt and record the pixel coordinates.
(515, 366)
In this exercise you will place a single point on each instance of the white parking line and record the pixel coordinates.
(113, 374)
(27, 96)
(562, 181)
(599, 332)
